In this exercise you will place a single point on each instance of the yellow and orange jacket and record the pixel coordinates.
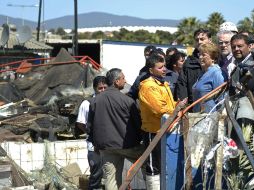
(155, 100)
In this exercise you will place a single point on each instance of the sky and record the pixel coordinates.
(232, 10)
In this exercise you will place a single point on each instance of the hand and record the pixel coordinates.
(181, 104)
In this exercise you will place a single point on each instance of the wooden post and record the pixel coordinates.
(219, 154)
(188, 176)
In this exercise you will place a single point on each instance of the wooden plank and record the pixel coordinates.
(188, 176)
(219, 154)
(138, 181)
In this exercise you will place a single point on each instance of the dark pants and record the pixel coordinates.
(153, 164)
(95, 163)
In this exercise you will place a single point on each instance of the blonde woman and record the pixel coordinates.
(211, 78)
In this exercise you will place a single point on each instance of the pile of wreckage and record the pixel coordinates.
(40, 148)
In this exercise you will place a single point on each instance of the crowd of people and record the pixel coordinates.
(122, 125)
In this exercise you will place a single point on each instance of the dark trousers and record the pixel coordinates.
(95, 163)
(153, 164)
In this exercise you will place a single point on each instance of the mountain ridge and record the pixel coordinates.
(93, 19)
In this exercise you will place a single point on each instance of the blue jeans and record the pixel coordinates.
(95, 163)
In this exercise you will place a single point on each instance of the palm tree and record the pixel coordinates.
(214, 21)
(186, 28)
(245, 25)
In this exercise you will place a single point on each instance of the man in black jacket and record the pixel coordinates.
(244, 59)
(115, 123)
(191, 68)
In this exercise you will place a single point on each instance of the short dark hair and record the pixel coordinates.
(251, 38)
(171, 60)
(97, 80)
(112, 75)
(149, 48)
(202, 30)
(153, 59)
(170, 50)
(244, 32)
(158, 51)
(240, 37)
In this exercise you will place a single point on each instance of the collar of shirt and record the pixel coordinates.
(161, 79)
(229, 56)
(245, 59)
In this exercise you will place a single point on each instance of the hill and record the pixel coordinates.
(93, 19)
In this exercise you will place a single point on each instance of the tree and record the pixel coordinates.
(247, 24)
(186, 28)
(165, 37)
(60, 31)
(84, 35)
(214, 21)
(123, 33)
(98, 35)
(141, 35)
(52, 30)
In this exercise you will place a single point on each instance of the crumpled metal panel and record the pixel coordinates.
(244, 109)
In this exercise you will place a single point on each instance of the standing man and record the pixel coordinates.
(155, 100)
(241, 101)
(226, 57)
(94, 158)
(133, 92)
(192, 68)
(115, 121)
(244, 60)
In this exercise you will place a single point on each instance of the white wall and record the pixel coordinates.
(62, 153)
(127, 56)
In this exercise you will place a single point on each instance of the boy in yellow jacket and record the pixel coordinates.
(155, 100)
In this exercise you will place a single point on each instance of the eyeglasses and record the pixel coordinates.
(226, 43)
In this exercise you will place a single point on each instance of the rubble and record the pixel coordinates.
(40, 106)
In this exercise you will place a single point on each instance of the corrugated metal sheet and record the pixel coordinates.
(31, 44)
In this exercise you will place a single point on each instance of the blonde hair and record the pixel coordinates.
(211, 49)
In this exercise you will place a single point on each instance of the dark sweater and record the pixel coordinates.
(114, 120)
(187, 77)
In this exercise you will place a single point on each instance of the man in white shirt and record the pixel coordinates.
(226, 60)
(94, 158)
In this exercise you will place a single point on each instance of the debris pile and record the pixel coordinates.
(42, 104)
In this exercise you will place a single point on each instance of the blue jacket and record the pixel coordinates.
(207, 82)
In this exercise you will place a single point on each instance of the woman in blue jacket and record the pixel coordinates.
(211, 78)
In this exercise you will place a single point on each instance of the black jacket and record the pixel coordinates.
(239, 72)
(187, 77)
(133, 92)
(171, 77)
(114, 120)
